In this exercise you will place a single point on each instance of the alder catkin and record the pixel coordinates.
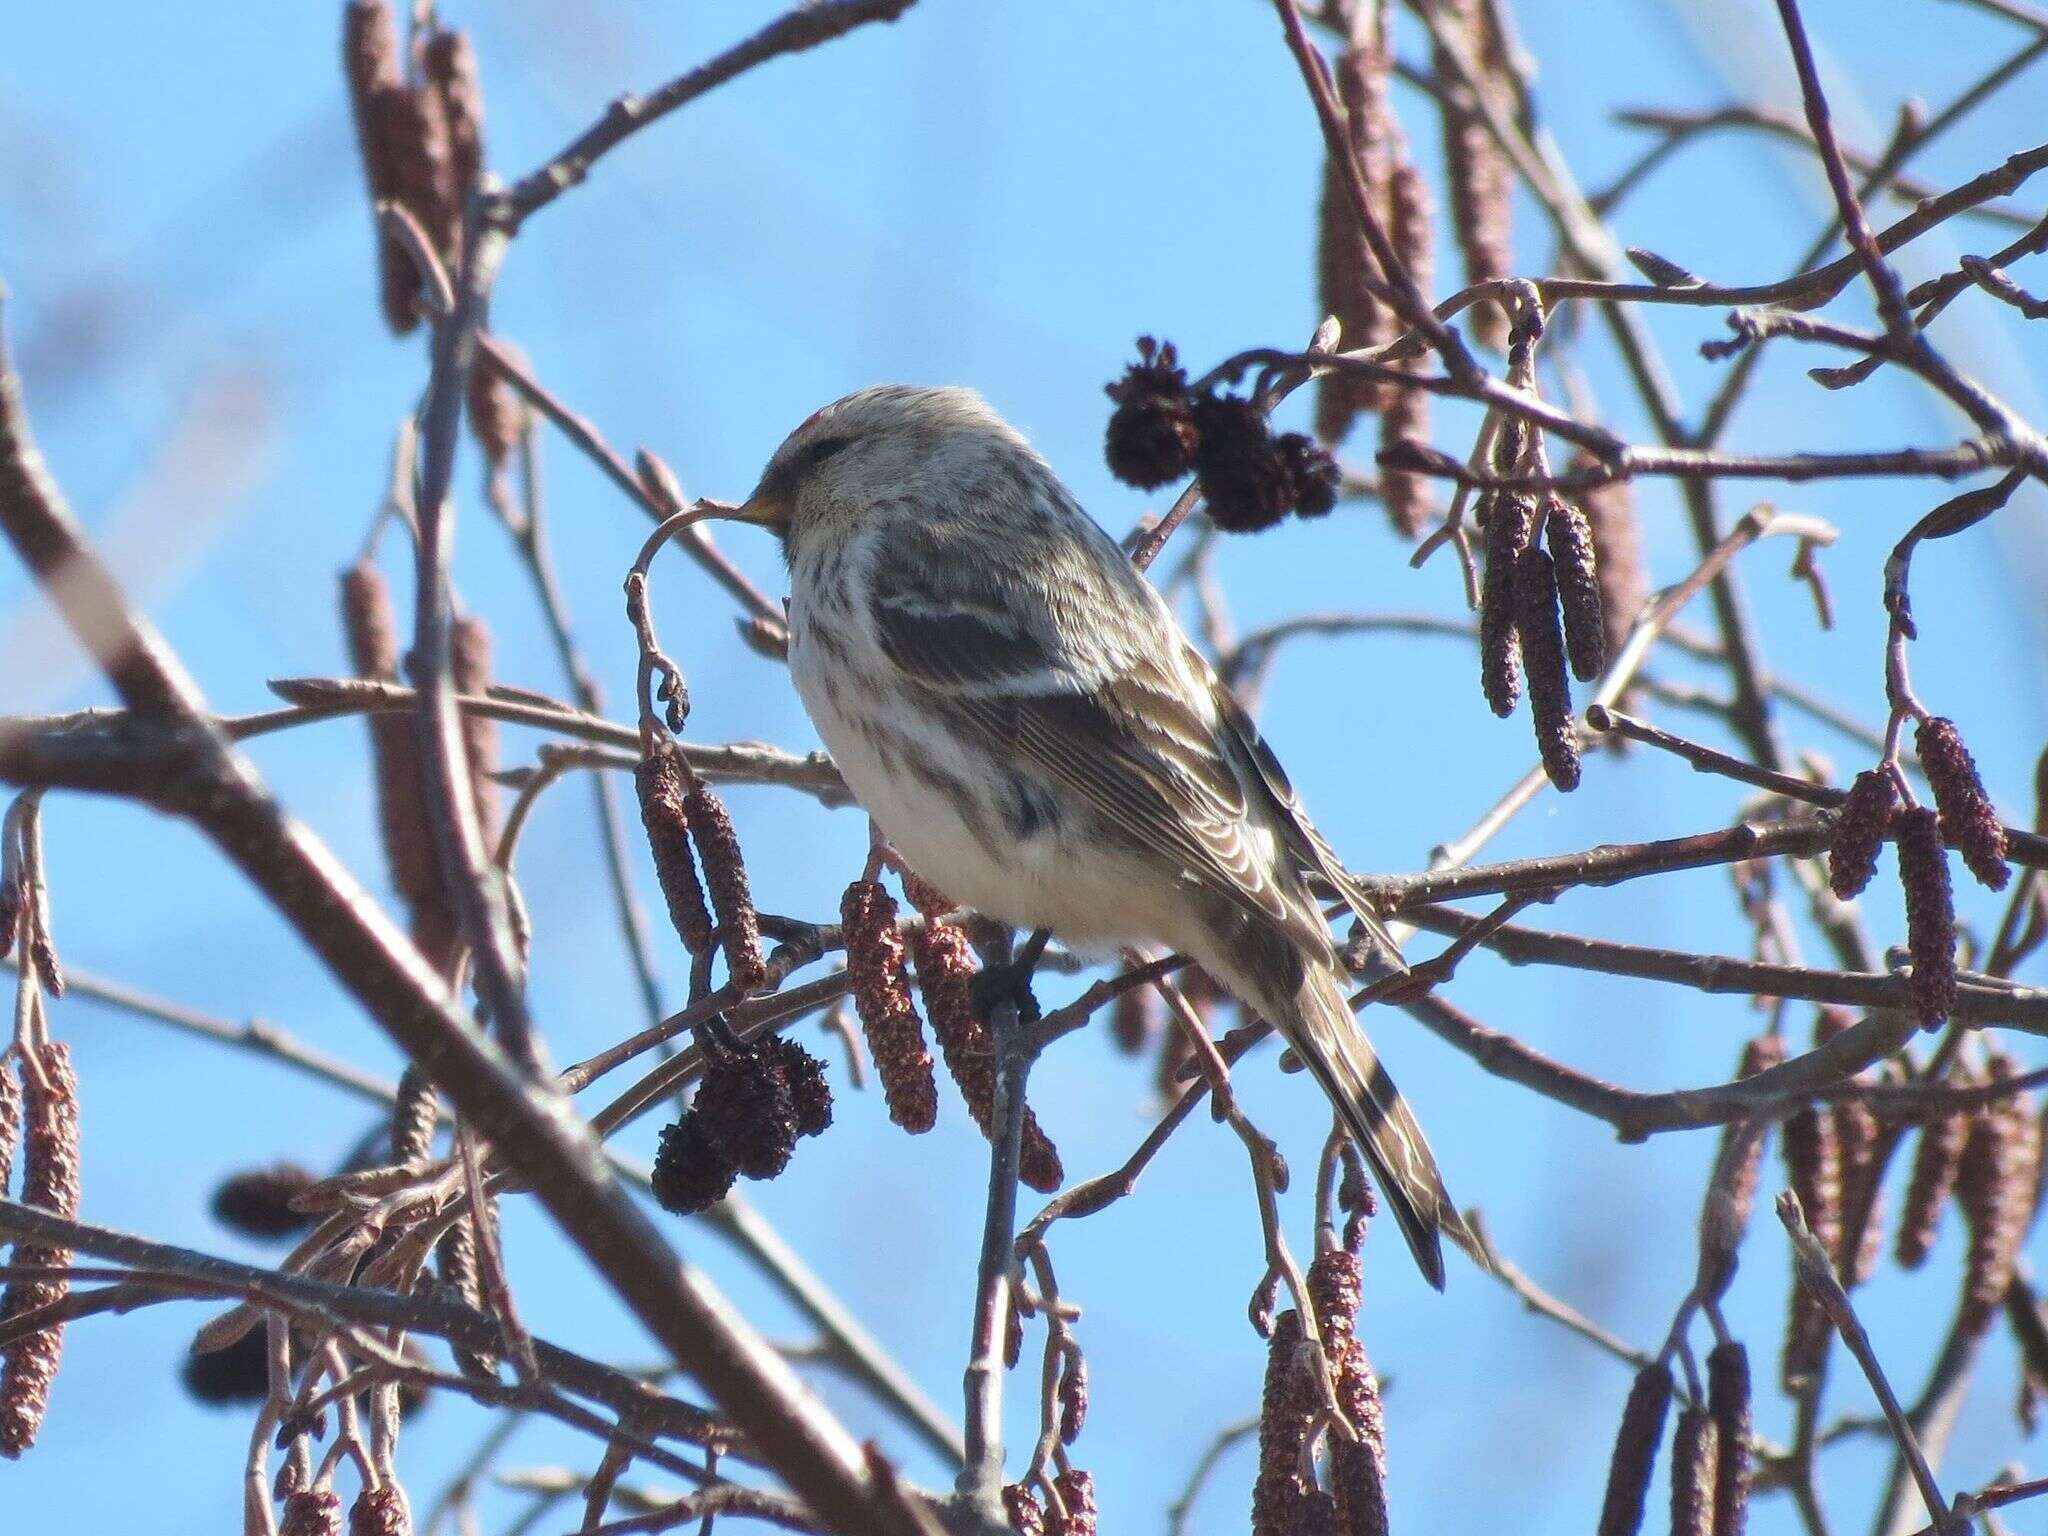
(1335, 1286)
(1345, 269)
(370, 56)
(662, 785)
(1171, 1061)
(1477, 172)
(881, 997)
(1135, 1019)
(1758, 1055)
(460, 1266)
(1692, 1474)
(1288, 1412)
(1861, 825)
(1541, 641)
(415, 1115)
(1865, 1144)
(929, 900)
(1807, 1336)
(404, 140)
(372, 65)
(10, 1124)
(1077, 1492)
(1027, 1514)
(469, 667)
(1930, 915)
(1013, 1336)
(49, 1180)
(1969, 821)
(1405, 416)
(739, 926)
(1728, 1404)
(1358, 1467)
(1509, 525)
(497, 415)
(1995, 1192)
(1403, 493)
(1072, 1396)
(380, 1512)
(311, 1512)
(1813, 1166)
(411, 131)
(1570, 538)
(1635, 1452)
(449, 63)
(946, 969)
(1936, 1160)
(1617, 554)
(370, 625)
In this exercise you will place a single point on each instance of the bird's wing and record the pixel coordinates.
(1302, 838)
(1119, 727)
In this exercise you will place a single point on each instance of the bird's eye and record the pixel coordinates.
(824, 448)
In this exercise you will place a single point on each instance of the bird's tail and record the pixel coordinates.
(1316, 1021)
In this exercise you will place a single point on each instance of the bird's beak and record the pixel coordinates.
(766, 508)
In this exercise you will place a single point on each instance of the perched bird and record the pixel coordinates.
(1017, 709)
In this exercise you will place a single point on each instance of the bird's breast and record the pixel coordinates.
(990, 834)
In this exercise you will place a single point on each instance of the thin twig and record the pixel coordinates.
(1817, 1274)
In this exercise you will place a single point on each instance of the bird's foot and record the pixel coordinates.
(1010, 982)
(996, 985)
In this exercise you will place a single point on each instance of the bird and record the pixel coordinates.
(1024, 720)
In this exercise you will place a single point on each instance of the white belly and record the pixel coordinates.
(1091, 896)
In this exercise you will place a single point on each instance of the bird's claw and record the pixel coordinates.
(1007, 983)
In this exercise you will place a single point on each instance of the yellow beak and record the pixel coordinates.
(764, 509)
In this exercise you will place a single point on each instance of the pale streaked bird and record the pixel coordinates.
(1019, 712)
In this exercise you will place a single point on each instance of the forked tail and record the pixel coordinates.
(1320, 1028)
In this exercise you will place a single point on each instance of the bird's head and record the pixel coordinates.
(890, 445)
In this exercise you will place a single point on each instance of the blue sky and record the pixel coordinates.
(1001, 195)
